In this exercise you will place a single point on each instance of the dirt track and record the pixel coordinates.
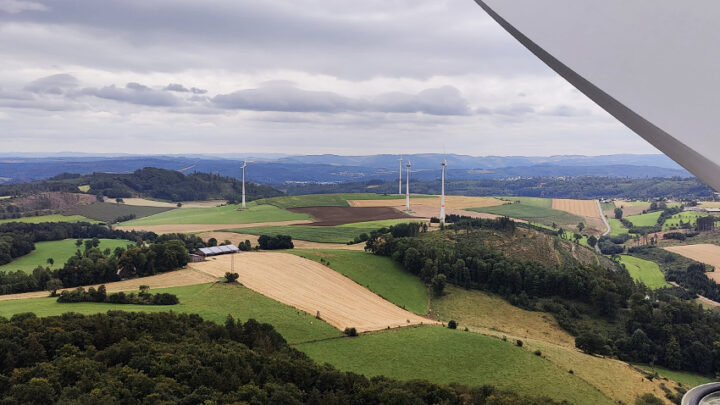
(331, 216)
(191, 228)
(451, 202)
(312, 287)
(235, 238)
(177, 278)
(703, 253)
(582, 208)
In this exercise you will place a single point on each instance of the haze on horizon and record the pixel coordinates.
(281, 76)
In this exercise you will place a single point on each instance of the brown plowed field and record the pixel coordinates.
(582, 208)
(312, 287)
(331, 216)
(191, 228)
(451, 202)
(236, 238)
(703, 253)
(177, 278)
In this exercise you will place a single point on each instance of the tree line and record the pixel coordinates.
(143, 297)
(135, 358)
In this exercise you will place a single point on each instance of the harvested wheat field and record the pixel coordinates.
(192, 228)
(631, 207)
(703, 253)
(185, 204)
(582, 208)
(451, 202)
(178, 278)
(313, 288)
(236, 238)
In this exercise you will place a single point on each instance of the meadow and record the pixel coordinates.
(49, 218)
(326, 200)
(688, 217)
(325, 234)
(616, 227)
(228, 214)
(213, 302)
(683, 377)
(444, 355)
(109, 212)
(536, 213)
(649, 219)
(644, 270)
(379, 274)
(60, 251)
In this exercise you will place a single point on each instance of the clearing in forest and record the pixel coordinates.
(582, 208)
(313, 288)
(644, 270)
(703, 253)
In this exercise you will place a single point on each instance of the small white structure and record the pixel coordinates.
(217, 250)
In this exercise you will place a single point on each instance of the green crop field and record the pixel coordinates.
(109, 212)
(326, 234)
(609, 206)
(533, 201)
(688, 217)
(644, 270)
(59, 250)
(328, 200)
(228, 214)
(379, 224)
(442, 355)
(649, 219)
(211, 301)
(685, 378)
(616, 227)
(379, 274)
(49, 218)
(535, 213)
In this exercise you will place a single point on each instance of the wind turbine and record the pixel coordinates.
(400, 178)
(407, 188)
(243, 183)
(442, 192)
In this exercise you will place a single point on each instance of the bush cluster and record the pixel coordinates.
(143, 297)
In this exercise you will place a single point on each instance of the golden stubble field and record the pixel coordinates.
(703, 253)
(313, 288)
(582, 208)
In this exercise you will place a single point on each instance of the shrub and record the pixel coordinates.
(519, 343)
(275, 242)
(537, 353)
(452, 324)
(231, 277)
(351, 332)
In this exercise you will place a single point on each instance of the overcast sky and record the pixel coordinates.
(285, 76)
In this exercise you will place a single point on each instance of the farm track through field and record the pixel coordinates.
(313, 288)
(191, 228)
(176, 278)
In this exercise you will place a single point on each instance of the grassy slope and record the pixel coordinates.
(535, 213)
(616, 227)
(59, 250)
(49, 218)
(379, 274)
(645, 271)
(84, 188)
(689, 380)
(108, 212)
(211, 301)
(649, 219)
(228, 214)
(326, 200)
(443, 356)
(327, 234)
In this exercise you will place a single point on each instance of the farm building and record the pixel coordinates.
(217, 250)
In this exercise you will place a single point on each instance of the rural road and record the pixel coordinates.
(605, 221)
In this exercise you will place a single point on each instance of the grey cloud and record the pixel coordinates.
(176, 87)
(134, 93)
(55, 84)
(564, 111)
(195, 90)
(514, 110)
(283, 97)
(18, 6)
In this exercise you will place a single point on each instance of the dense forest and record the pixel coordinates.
(148, 182)
(549, 187)
(163, 358)
(607, 312)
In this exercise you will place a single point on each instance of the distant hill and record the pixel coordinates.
(148, 182)
(337, 169)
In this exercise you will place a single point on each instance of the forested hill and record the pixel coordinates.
(148, 182)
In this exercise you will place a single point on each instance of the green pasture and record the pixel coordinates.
(644, 270)
(532, 201)
(49, 218)
(379, 274)
(607, 206)
(685, 378)
(649, 219)
(688, 217)
(325, 234)
(228, 214)
(616, 227)
(211, 301)
(59, 250)
(636, 203)
(534, 213)
(443, 356)
(328, 200)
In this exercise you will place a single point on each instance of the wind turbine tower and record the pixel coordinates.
(400, 177)
(243, 184)
(442, 192)
(407, 187)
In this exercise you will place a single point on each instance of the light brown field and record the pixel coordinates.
(236, 238)
(176, 278)
(582, 208)
(312, 287)
(630, 208)
(193, 228)
(185, 204)
(451, 202)
(703, 253)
